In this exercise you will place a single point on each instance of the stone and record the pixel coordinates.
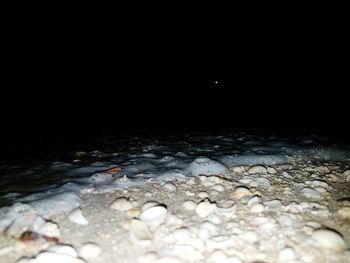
(170, 187)
(328, 239)
(121, 204)
(153, 214)
(256, 208)
(50, 229)
(311, 193)
(189, 205)
(139, 233)
(286, 254)
(89, 250)
(257, 169)
(63, 249)
(77, 217)
(50, 257)
(240, 192)
(205, 208)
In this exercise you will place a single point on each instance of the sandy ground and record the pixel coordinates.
(231, 219)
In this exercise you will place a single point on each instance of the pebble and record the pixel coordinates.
(273, 204)
(121, 204)
(50, 257)
(240, 192)
(207, 230)
(189, 205)
(311, 193)
(50, 229)
(217, 256)
(218, 187)
(89, 250)
(188, 253)
(205, 208)
(263, 182)
(182, 235)
(170, 187)
(5, 250)
(319, 183)
(257, 169)
(77, 217)
(64, 249)
(203, 195)
(255, 199)
(133, 212)
(286, 254)
(139, 233)
(271, 170)
(256, 208)
(169, 259)
(147, 205)
(238, 169)
(329, 239)
(344, 207)
(153, 214)
(285, 220)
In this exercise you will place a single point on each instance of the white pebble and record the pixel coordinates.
(153, 214)
(89, 250)
(169, 259)
(217, 256)
(255, 199)
(5, 250)
(311, 193)
(139, 233)
(286, 254)
(182, 235)
(256, 208)
(319, 183)
(77, 217)
(218, 187)
(50, 257)
(329, 239)
(263, 182)
(189, 205)
(271, 170)
(121, 204)
(205, 208)
(147, 205)
(203, 195)
(50, 229)
(257, 169)
(64, 249)
(241, 192)
(170, 187)
(273, 204)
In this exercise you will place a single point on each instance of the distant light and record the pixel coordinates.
(216, 82)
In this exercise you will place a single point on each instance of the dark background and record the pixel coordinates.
(67, 84)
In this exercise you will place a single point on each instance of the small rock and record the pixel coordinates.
(63, 249)
(139, 233)
(153, 214)
(271, 170)
(240, 192)
(311, 193)
(77, 217)
(217, 256)
(205, 208)
(133, 212)
(121, 204)
(189, 205)
(170, 187)
(257, 169)
(203, 195)
(255, 199)
(50, 229)
(218, 187)
(147, 205)
(263, 182)
(286, 254)
(5, 250)
(50, 257)
(256, 208)
(329, 239)
(319, 183)
(238, 169)
(169, 259)
(89, 250)
(273, 204)
(182, 235)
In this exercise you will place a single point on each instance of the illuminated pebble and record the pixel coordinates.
(286, 254)
(257, 169)
(63, 249)
(240, 192)
(121, 204)
(89, 250)
(328, 239)
(153, 214)
(189, 205)
(205, 208)
(77, 217)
